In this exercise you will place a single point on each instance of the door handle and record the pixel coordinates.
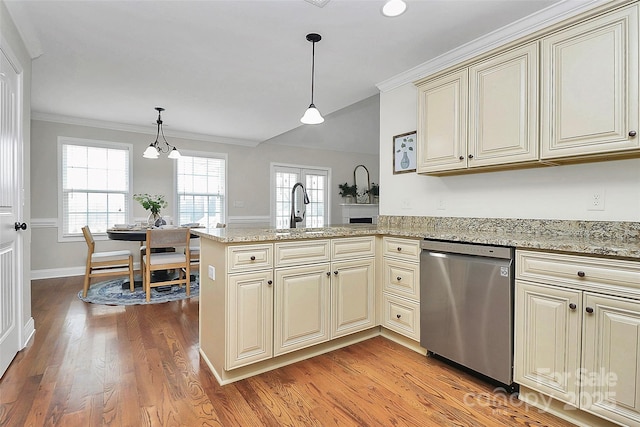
(20, 226)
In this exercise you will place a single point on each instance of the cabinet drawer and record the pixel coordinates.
(302, 252)
(250, 257)
(353, 247)
(401, 278)
(583, 272)
(401, 248)
(401, 316)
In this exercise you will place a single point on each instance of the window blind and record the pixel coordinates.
(201, 188)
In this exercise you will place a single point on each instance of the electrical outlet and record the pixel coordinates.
(441, 204)
(596, 201)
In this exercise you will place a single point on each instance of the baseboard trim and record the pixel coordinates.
(28, 331)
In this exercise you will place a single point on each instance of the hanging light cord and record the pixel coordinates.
(313, 68)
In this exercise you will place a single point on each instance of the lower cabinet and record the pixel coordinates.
(574, 341)
(301, 307)
(319, 290)
(250, 318)
(352, 296)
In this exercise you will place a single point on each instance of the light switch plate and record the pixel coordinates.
(212, 272)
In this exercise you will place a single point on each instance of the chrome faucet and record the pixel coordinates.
(293, 219)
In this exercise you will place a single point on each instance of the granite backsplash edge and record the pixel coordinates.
(619, 230)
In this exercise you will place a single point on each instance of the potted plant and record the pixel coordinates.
(374, 193)
(153, 204)
(349, 192)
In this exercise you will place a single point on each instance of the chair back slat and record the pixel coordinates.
(167, 238)
(88, 237)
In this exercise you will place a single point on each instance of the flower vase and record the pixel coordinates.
(404, 163)
(155, 220)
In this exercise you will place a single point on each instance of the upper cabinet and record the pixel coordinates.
(571, 94)
(590, 87)
(483, 115)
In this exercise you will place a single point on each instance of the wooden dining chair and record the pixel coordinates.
(154, 261)
(103, 264)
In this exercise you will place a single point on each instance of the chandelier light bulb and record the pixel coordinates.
(394, 8)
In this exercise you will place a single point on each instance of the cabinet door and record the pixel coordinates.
(442, 123)
(249, 318)
(301, 314)
(503, 108)
(352, 297)
(590, 86)
(611, 358)
(547, 339)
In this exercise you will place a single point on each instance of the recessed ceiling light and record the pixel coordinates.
(394, 8)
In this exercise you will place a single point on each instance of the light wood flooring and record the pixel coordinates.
(92, 365)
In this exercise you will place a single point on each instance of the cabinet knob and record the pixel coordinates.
(399, 248)
(589, 310)
(461, 158)
(269, 282)
(581, 274)
(632, 133)
(253, 258)
(335, 272)
(398, 278)
(471, 156)
(398, 316)
(328, 274)
(572, 306)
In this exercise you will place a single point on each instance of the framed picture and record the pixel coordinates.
(404, 152)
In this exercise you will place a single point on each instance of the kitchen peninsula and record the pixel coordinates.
(271, 297)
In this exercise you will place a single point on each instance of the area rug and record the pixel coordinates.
(110, 292)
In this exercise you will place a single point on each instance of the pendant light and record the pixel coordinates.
(155, 148)
(394, 8)
(312, 116)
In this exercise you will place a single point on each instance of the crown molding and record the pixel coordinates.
(526, 26)
(124, 127)
(25, 28)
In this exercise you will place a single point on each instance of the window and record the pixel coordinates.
(95, 185)
(201, 188)
(315, 182)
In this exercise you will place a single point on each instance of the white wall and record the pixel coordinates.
(248, 177)
(558, 192)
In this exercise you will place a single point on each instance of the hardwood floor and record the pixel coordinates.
(92, 365)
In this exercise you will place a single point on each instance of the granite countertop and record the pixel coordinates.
(624, 248)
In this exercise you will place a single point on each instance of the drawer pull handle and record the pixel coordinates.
(589, 310)
(398, 316)
(572, 306)
(253, 258)
(581, 274)
(399, 248)
(270, 282)
(398, 278)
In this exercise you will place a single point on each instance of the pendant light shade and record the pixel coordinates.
(155, 148)
(312, 116)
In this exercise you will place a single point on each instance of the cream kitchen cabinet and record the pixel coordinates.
(301, 308)
(329, 294)
(577, 332)
(589, 102)
(482, 115)
(250, 318)
(352, 296)
(401, 286)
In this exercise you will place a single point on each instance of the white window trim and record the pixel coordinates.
(88, 143)
(211, 155)
(272, 185)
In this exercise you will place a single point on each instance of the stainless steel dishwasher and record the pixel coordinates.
(466, 306)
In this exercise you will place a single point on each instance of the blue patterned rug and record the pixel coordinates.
(110, 292)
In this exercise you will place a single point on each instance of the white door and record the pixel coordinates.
(315, 181)
(10, 210)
